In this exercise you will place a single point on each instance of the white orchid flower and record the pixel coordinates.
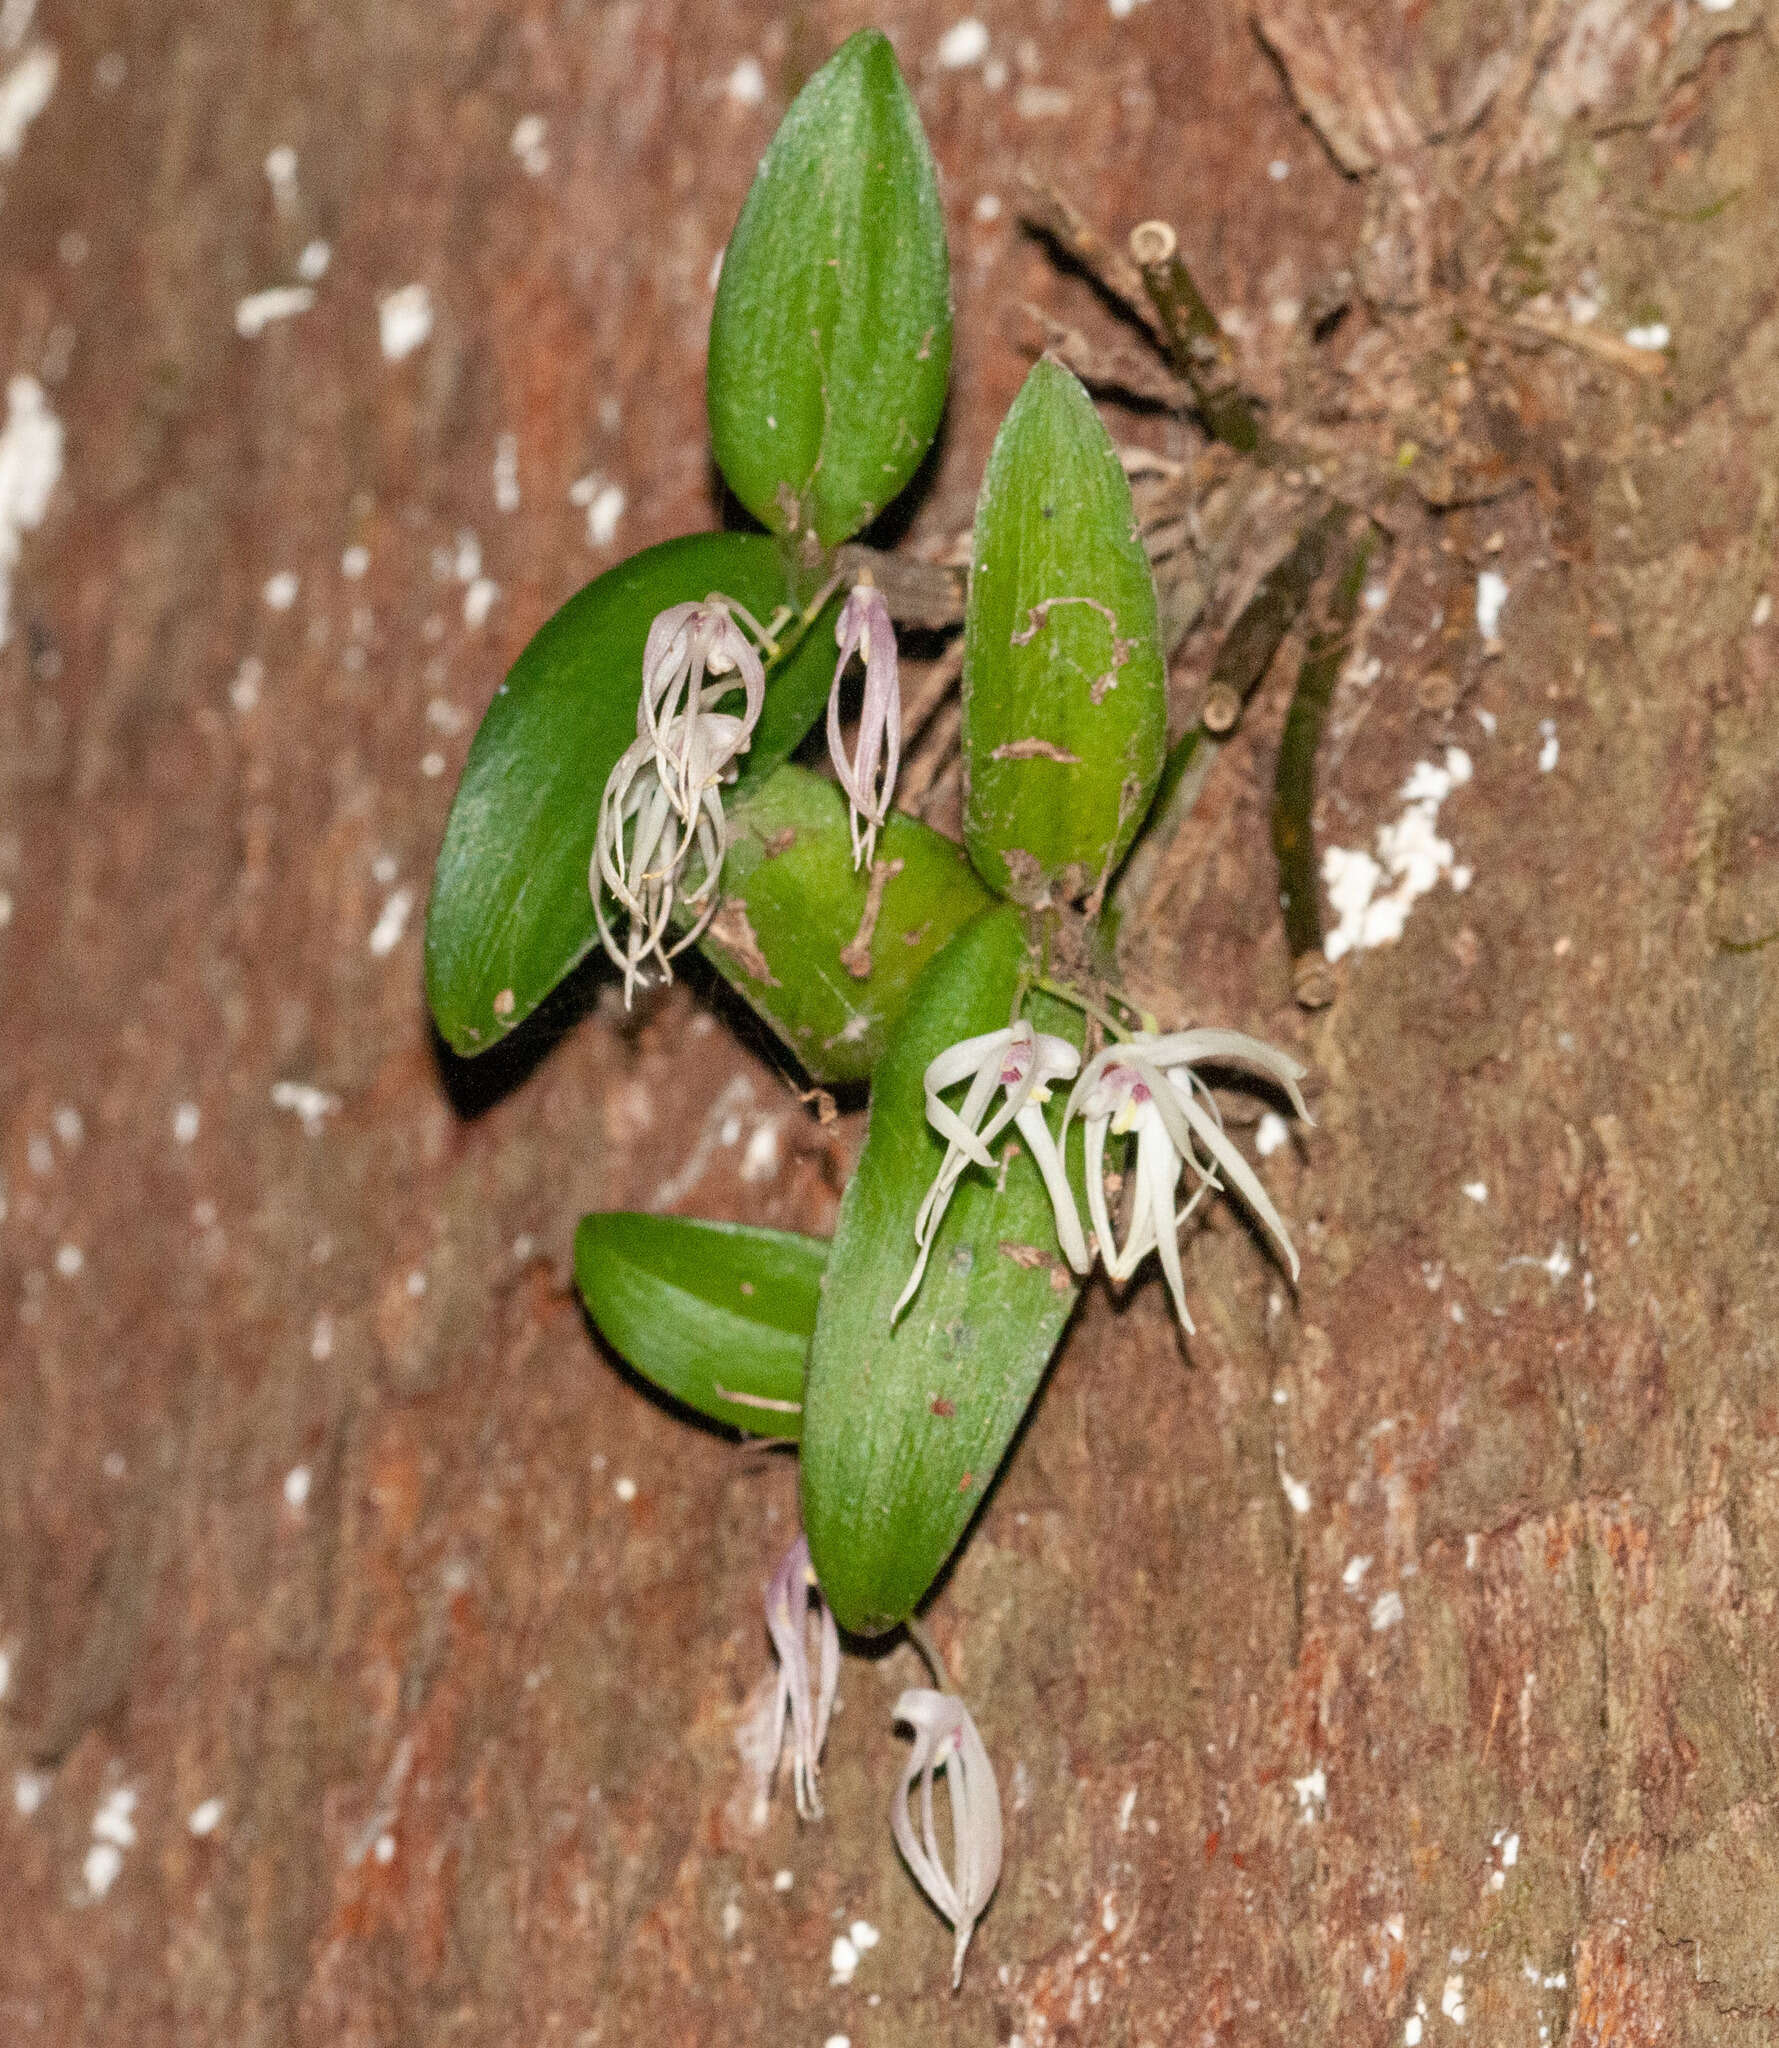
(695, 656)
(869, 777)
(1023, 1062)
(1148, 1086)
(645, 848)
(787, 1622)
(945, 1739)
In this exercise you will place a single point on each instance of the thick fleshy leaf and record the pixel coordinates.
(1064, 689)
(719, 1315)
(830, 341)
(905, 1426)
(825, 953)
(510, 913)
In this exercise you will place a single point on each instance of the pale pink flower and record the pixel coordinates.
(1023, 1062)
(1147, 1086)
(869, 777)
(807, 1705)
(945, 1739)
(695, 656)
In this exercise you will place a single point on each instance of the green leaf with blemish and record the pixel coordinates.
(830, 341)
(510, 913)
(905, 1426)
(1065, 687)
(826, 954)
(719, 1315)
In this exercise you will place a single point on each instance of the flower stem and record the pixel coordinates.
(918, 1636)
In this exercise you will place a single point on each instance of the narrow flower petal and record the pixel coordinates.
(946, 1739)
(1036, 1133)
(1211, 1135)
(787, 1622)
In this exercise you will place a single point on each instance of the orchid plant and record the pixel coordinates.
(635, 787)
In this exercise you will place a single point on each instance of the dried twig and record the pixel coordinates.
(1117, 367)
(1194, 341)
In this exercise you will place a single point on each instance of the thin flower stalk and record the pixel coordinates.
(805, 1700)
(1148, 1087)
(946, 1739)
(695, 656)
(868, 775)
(1023, 1063)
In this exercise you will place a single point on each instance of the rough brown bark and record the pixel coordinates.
(468, 1702)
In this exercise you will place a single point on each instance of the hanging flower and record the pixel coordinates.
(695, 656)
(945, 1739)
(645, 848)
(1148, 1086)
(869, 777)
(787, 1622)
(1022, 1062)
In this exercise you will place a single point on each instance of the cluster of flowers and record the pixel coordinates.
(945, 1739)
(1144, 1084)
(662, 837)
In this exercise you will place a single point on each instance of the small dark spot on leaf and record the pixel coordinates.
(942, 1407)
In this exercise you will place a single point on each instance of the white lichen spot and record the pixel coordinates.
(1373, 910)
(1354, 1575)
(29, 1790)
(987, 208)
(185, 1123)
(1387, 1610)
(1654, 336)
(404, 320)
(1121, 10)
(297, 1482)
(605, 507)
(1278, 170)
(837, 2041)
(114, 1831)
(783, 1880)
(746, 84)
(625, 1488)
(70, 1260)
(1126, 1807)
(103, 1864)
(205, 1818)
(1411, 2032)
(5, 1670)
(843, 1960)
(386, 933)
(280, 589)
(321, 1339)
(1312, 1794)
(1763, 609)
(478, 601)
(384, 1848)
(731, 1919)
(354, 562)
(1451, 1999)
(863, 1936)
(24, 93)
(255, 313)
(760, 1160)
(506, 472)
(1477, 1190)
(1295, 1492)
(1491, 601)
(244, 690)
(68, 1124)
(432, 765)
(1549, 751)
(30, 466)
(529, 144)
(963, 44)
(1272, 1135)
(311, 1105)
(312, 261)
(281, 175)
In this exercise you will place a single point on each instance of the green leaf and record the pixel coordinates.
(904, 1427)
(706, 1311)
(510, 914)
(1064, 688)
(830, 341)
(791, 935)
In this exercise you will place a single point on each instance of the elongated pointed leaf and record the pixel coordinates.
(1064, 690)
(719, 1315)
(830, 341)
(904, 1427)
(510, 913)
(796, 935)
